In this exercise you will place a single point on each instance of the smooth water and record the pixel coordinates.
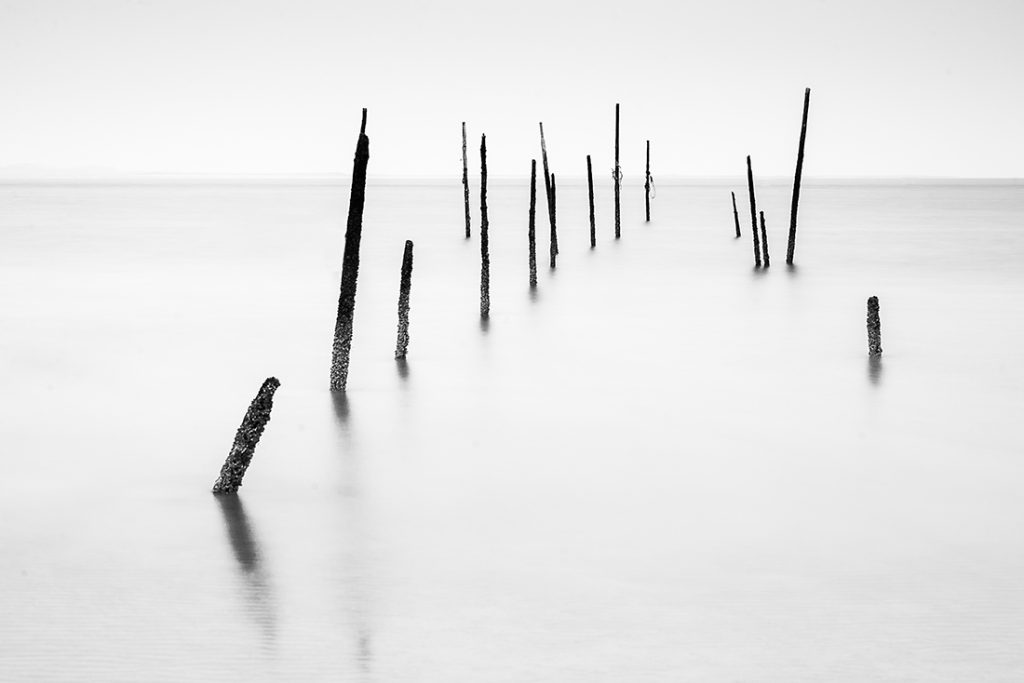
(660, 466)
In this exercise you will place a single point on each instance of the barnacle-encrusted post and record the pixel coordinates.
(753, 215)
(791, 247)
(549, 191)
(485, 256)
(532, 235)
(764, 241)
(404, 287)
(350, 264)
(246, 438)
(590, 189)
(874, 328)
(465, 176)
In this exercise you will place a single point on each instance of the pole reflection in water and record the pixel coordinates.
(255, 585)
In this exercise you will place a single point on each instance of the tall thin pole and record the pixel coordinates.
(554, 230)
(764, 241)
(590, 188)
(485, 256)
(548, 191)
(791, 247)
(246, 438)
(532, 234)
(647, 185)
(874, 328)
(350, 264)
(753, 215)
(465, 176)
(617, 172)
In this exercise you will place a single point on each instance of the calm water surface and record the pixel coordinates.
(660, 466)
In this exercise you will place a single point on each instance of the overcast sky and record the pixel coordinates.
(899, 88)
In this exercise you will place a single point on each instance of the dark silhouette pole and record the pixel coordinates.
(753, 215)
(791, 247)
(404, 288)
(554, 230)
(590, 189)
(246, 438)
(465, 176)
(617, 172)
(533, 222)
(485, 256)
(735, 214)
(764, 241)
(647, 185)
(548, 189)
(350, 264)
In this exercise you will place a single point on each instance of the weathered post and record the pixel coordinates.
(465, 176)
(548, 190)
(617, 172)
(533, 222)
(485, 256)
(753, 215)
(791, 247)
(735, 214)
(350, 264)
(246, 438)
(404, 288)
(554, 230)
(590, 189)
(874, 328)
(764, 241)
(647, 185)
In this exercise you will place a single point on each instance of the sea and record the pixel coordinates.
(661, 464)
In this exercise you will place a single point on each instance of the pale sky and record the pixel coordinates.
(928, 88)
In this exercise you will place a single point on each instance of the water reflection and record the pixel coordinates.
(255, 585)
(341, 410)
(875, 369)
(485, 324)
(403, 369)
(534, 294)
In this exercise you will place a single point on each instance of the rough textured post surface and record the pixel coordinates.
(647, 186)
(735, 214)
(485, 256)
(753, 215)
(554, 230)
(874, 328)
(548, 190)
(617, 172)
(533, 223)
(350, 264)
(246, 438)
(791, 246)
(404, 288)
(465, 176)
(590, 190)
(764, 241)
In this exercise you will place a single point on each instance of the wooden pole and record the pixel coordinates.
(874, 328)
(548, 190)
(753, 215)
(735, 214)
(791, 247)
(465, 176)
(554, 230)
(647, 185)
(533, 223)
(246, 438)
(617, 172)
(404, 288)
(485, 256)
(764, 241)
(590, 189)
(350, 264)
